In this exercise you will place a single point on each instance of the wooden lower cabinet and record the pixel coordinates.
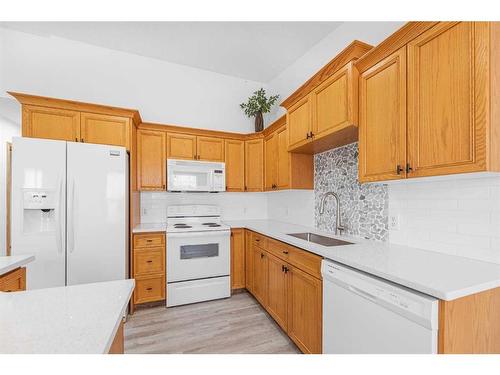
(248, 261)
(148, 267)
(260, 273)
(13, 281)
(305, 315)
(289, 288)
(277, 290)
(237, 258)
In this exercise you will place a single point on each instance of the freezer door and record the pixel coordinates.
(97, 217)
(38, 208)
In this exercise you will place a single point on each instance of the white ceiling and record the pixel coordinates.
(251, 50)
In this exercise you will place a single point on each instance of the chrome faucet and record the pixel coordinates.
(338, 223)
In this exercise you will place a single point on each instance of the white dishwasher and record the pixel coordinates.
(364, 314)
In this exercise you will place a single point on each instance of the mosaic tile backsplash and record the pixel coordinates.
(364, 208)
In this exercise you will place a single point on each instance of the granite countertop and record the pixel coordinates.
(74, 319)
(9, 263)
(443, 276)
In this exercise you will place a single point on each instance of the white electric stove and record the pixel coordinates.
(198, 255)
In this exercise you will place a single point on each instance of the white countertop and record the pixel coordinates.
(74, 319)
(150, 227)
(9, 263)
(443, 276)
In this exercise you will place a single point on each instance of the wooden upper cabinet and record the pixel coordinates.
(181, 146)
(210, 148)
(234, 154)
(334, 102)
(237, 258)
(299, 123)
(305, 310)
(51, 123)
(271, 161)
(283, 164)
(382, 115)
(254, 165)
(151, 160)
(447, 93)
(104, 129)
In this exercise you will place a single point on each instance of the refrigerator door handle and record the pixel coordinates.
(71, 225)
(60, 218)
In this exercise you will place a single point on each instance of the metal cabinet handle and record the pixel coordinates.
(399, 169)
(408, 168)
(285, 252)
(261, 255)
(149, 261)
(149, 288)
(149, 240)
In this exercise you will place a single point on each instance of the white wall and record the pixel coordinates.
(312, 61)
(9, 110)
(163, 92)
(459, 217)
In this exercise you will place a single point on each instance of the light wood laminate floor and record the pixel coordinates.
(234, 325)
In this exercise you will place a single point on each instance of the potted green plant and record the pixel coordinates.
(258, 104)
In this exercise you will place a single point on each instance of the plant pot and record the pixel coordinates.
(259, 122)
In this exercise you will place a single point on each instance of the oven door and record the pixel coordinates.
(189, 176)
(197, 255)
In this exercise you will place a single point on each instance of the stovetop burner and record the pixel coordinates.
(182, 226)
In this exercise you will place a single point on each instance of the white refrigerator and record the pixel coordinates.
(70, 209)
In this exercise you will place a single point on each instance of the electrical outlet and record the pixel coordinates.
(394, 222)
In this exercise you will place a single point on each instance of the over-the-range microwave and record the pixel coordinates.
(189, 175)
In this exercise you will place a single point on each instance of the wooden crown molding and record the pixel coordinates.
(391, 44)
(214, 133)
(43, 101)
(352, 52)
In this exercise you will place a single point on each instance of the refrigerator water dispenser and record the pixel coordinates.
(39, 211)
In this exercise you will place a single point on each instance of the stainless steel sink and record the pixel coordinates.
(320, 240)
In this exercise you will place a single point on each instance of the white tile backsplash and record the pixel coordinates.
(234, 206)
(455, 216)
(291, 206)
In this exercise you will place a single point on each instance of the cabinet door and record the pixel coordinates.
(235, 164)
(277, 290)
(333, 103)
(283, 164)
(51, 123)
(151, 160)
(271, 161)
(305, 310)
(382, 121)
(181, 146)
(446, 120)
(237, 258)
(248, 261)
(210, 149)
(254, 165)
(260, 280)
(299, 123)
(104, 129)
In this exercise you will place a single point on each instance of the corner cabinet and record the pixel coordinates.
(151, 160)
(282, 169)
(427, 107)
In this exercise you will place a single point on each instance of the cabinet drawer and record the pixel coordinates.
(259, 240)
(149, 240)
(279, 249)
(149, 289)
(148, 261)
(13, 281)
(307, 262)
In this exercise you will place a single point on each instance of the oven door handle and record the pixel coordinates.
(221, 233)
